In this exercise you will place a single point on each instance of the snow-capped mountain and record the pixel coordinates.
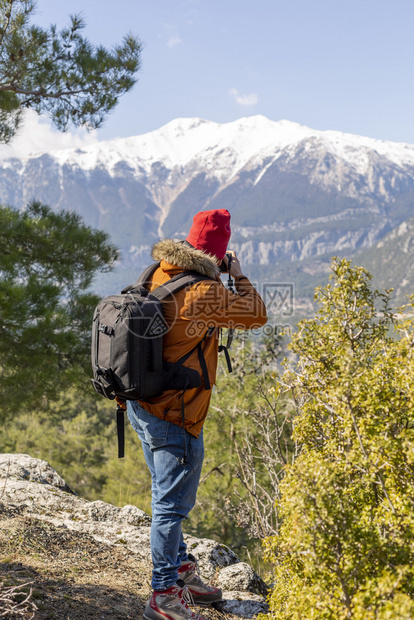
(247, 141)
(296, 195)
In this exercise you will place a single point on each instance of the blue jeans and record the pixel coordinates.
(174, 488)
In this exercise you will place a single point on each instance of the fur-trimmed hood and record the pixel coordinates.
(186, 257)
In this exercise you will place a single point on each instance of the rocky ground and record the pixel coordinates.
(64, 558)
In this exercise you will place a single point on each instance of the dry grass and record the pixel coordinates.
(54, 573)
(15, 601)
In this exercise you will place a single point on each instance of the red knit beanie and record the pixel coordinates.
(211, 232)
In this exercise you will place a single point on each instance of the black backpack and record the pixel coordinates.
(127, 345)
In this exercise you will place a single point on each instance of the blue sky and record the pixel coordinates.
(329, 64)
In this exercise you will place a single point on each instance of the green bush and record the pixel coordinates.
(345, 549)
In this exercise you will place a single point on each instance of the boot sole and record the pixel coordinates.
(152, 617)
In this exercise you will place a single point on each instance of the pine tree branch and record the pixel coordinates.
(42, 92)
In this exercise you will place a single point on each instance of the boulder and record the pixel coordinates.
(25, 467)
(241, 577)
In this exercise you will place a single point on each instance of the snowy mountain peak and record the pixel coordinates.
(183, 124)
(223, 149)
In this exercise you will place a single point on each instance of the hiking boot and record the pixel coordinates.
(201, 593)
(171, 604)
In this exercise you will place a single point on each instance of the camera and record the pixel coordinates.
(226, 268)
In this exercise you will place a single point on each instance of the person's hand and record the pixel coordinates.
(235, 268)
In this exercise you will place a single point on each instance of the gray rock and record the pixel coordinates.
(20, 477)
(211, 555)
(134, 516)
(243, 604)
(25, 467)
(241, 577)
(101, 511)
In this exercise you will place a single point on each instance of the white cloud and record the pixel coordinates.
(36, 134)
(250, 99)
(174, 40)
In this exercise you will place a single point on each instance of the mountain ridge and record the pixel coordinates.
(296, 195)
(271, 134)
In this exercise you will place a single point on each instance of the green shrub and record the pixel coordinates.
(345, 549)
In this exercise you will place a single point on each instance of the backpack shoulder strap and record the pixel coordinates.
(178, 282)
(143, 279)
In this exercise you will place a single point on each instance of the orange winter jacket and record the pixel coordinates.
(189, 314)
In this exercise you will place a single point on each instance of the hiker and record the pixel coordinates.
(170, 426)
